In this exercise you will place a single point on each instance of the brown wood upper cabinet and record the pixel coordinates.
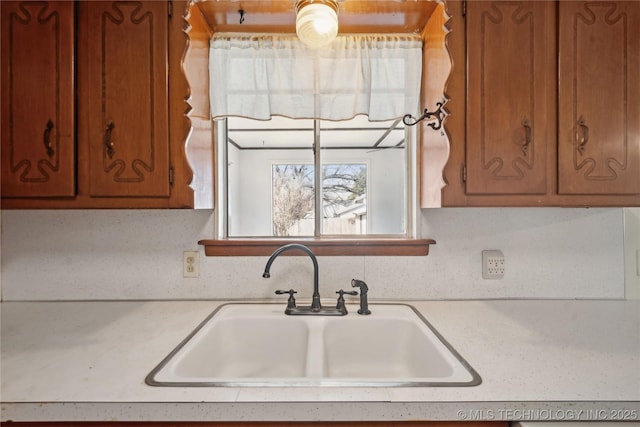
(38, 127)
(552, 116)
(106, 144)
(510, 59)
(599, 115)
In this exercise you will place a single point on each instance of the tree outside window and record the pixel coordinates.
(344, 199)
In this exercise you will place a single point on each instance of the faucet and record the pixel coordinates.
(316, 306)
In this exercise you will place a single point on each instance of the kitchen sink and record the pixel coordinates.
(247, 347)
(384, 349)
(245, 344)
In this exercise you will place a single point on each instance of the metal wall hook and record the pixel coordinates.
(241, 12)
(438, 115)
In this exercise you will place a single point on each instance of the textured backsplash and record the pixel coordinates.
(137, 254)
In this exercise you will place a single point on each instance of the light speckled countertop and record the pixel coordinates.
(538, 359)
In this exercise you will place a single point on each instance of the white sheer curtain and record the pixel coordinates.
(257, 76)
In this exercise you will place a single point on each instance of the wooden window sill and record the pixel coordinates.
(320, 247)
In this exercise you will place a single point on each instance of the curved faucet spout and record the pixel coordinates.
(315, 299)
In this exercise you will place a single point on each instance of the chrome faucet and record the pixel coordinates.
(316, 307)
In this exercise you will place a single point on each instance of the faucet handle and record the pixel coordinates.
(340, 306)
(291, 303)
(343, 292)
(341, 297)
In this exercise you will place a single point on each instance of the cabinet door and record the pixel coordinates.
(510, 96)
(124, 71)
(599, 118)
(38, 129)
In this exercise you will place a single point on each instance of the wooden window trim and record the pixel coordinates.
(319, 246)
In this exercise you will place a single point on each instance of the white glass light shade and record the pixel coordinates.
(316, 22)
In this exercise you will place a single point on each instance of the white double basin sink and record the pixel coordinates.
(244, 344)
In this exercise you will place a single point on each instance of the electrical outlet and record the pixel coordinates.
(493, 264)
(190, 264)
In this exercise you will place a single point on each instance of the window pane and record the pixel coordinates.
(344, 198)
(253, 148)
(293, 200)
(364, 166)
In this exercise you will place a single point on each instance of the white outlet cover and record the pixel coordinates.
(493, 264)
(190, 264)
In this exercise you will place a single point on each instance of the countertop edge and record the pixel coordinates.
(312, 411)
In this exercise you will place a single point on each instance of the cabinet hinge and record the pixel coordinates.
(464, 7)
(171, 176)
(464, 173)
(170, 8)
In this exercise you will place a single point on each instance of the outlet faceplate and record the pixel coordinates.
(190, 264)
(493, 264)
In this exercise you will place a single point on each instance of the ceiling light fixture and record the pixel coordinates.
(317, 22)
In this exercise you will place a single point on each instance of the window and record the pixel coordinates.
(268, 171)
(344, 166)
